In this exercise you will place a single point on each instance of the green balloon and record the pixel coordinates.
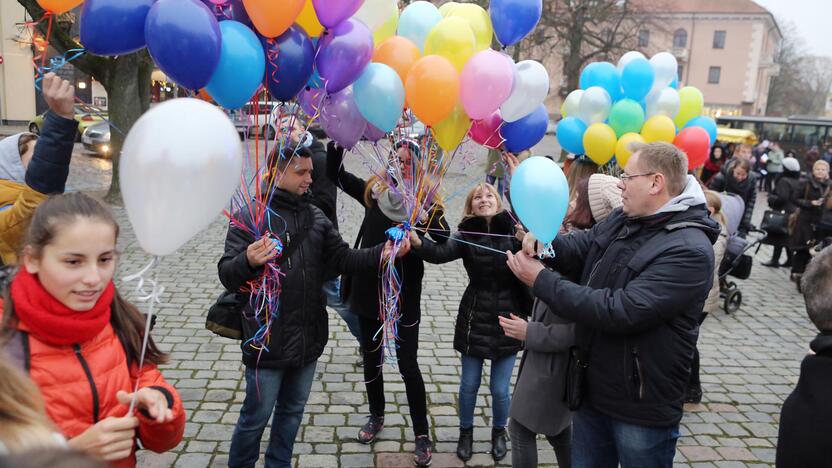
(626, 116)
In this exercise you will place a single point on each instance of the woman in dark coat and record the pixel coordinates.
(713, 164)
(783, 199)
(741, 181)
(811, 198)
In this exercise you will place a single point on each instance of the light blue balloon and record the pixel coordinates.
(241, 68)
(315, 81)
(379, 95)
(416, 21)
(571, 134)
(603, 74)
(637, 79)
(705, 122)
(540, 196)
(674, 84)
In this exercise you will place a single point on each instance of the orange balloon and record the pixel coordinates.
(59, 6)
(272, 18)
(398, 53)
(203, 94)
(432, 89)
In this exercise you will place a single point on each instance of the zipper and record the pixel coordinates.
(87, 371)
(638, 375)
(470, 318)
(288, 241)
(303, 310)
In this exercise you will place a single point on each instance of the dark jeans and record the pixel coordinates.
(600, 441)
(499, 383)
(769, 182)
(800, 259)
(332, 289)
(524, 446)
(778, 251)
(283, 391)
(408, 345)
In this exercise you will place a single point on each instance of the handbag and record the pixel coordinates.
(796, 213)
(576, 377)
(775, 223)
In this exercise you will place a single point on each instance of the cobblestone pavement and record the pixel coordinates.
(750, 362)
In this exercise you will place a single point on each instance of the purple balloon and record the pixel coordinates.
(341, 119)
(332, 12)
(343, 54)
(373, 134)
(310, 100)
(229, 10)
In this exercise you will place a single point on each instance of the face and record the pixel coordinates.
(744, 153)
(740, 174)
(297, 177)
(717, 153)
(79, 263)
(484, 204)
(637, 192)
(405, 161)
(820, 171)
(26, 157)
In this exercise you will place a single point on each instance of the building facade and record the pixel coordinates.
(17, 82)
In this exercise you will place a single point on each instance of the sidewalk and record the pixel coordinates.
(9, 130)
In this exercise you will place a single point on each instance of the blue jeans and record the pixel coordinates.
(283, 391)
(469, 385)
(600, 441)
(332, 289)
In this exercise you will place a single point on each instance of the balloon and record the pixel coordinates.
(571, 103)
(526, 132)
(180, 165)
(450, 132)
(695, 142)
(622, 148)
(477, 19)
(229, 10)
(343, 53)
(626, 116)
(446, 8)
(486, 131)
(571, 134)
(193, 28)
(373, 134)
(273, 18)
(704, 122)
(289, 63)
(486, 83)
(333, 12)
(308, 20)
(399, 54)
(241, 67)
(664, 102)
(311, 100)
(453, 39)
(417, 20)
(531, 86)
(665, 67)
(432, 89)
(379, 94)
(637, 79)
(691, 103)
(603, 74)
(599, 143)
(59, 6)
(512, 20)
(341, 119)
(388, 28)
(658, 128)
(595, 105)
(374, 13)
(629, 57)
(540, 196)
(101, 17)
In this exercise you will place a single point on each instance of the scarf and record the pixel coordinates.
(49, 320)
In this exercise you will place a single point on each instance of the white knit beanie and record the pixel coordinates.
(791, 164)
(604, 196)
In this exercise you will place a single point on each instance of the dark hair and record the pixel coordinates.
(743, 164)
(581, 216)
(53, 215)
(816, 284)
(722, 157)
(23, 142)
(287, 152)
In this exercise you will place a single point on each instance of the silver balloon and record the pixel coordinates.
(666, 68)
(531, 86)
(664, 102)
(595, 105)
(571, 103)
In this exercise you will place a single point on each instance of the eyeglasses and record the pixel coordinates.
(627, 177)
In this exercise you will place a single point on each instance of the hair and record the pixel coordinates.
(580, 169)
(820, 162)
(468, 209)
(713, 150)
(23, 142)
(580, 216)
(667, 160)
(744, 146)
(743, 164)
(23, 421)
(55, 214)
(287, 152)
(715, 202)
(816, 284)
(52, 458)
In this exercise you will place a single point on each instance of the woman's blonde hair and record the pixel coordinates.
(715, 202)
(24, 425)
(468, 209)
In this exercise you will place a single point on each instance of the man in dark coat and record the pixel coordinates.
(645, 273)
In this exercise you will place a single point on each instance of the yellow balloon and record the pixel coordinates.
(450, 132)
(478, 19)
(622, 148)
(308, 20)
(658, 128)
(447, 8)
(453, 39)
(599, 143)
(388, 29)
(691, 103)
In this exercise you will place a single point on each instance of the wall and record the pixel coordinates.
(17, 90)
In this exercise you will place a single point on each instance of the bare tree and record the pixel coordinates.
(804, 81)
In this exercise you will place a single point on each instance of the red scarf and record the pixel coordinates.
(49, 320)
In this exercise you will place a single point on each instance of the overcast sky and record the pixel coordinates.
(813, 19)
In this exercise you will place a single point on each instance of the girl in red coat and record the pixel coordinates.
(66, 325)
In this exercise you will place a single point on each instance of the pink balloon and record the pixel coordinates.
(486, 83)
(487, 131)
(332, 12)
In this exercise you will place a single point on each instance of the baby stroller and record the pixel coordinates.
(736, 262)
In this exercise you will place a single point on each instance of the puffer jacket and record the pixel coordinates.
(747, 189)
(492, 291)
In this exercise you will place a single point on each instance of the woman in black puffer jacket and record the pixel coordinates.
(739, 180)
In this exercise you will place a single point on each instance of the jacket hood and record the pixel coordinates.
(11, 167)
(393, 206)
(692, 195)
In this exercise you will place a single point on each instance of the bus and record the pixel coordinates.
(796, 133)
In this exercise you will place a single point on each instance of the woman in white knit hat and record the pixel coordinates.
(782, 198)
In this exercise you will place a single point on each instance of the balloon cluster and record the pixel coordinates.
(635, 101)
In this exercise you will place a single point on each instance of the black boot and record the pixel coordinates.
(464, 447)
(499, 443)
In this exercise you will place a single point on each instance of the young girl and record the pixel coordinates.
(493, 291)
(80, 342)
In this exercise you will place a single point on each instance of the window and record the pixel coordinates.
(680, 72)
(680, 38)
(643, 38)
(719, 39)
(713, 75)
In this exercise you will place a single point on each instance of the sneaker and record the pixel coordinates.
(423, 455)
(367, 434)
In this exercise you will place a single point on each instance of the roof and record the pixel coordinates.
(699, 6)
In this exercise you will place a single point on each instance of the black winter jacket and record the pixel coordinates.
(747, 189)
(783, 198)
(493, 289)
(300, 333)
(642, 290)
(323, 193)
(809, 190)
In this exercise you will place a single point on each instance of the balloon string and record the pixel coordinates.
(457, 239)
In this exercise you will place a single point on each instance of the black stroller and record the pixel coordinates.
(737, 262)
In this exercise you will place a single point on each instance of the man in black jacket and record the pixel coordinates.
(644, 274)
(280, 352)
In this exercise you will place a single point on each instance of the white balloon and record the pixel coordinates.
(373, 13)
(531, 86)
(629, 57)
(664, 102)
(665, 66)
(571, 103)
(180, 165)
(595, 105)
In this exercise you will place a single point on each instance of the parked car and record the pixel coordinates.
(86, 116)
(96, 139)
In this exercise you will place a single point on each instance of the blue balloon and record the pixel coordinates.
(379, 95)
(114, 27)
(603, 74)
(674, 84)
(230, 10)
(637, 79)
(526, 132)
(183, 37)
(705, 122)
(315, 82)
(416, 21)
(571, 134)
(290, 58)
(540, 196)
(514, 19)
(241, 67)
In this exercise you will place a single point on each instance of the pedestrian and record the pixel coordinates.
(806, 415)
(492, 292)
(279, 376)
(81, 342)
(24, 425)
(827, 156)
(774, 165)
(713, 164)
(384, 209)
(782, 199)
(811, 196)
(581, 169)
(739, 180)
(645, 273)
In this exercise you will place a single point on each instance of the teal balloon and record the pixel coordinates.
(626, 116)
(637, 79)
(603, 74)
(379, 95)
(540, 196)
(416, 21)
(704, 122)
(571, 134)
(241, 68)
